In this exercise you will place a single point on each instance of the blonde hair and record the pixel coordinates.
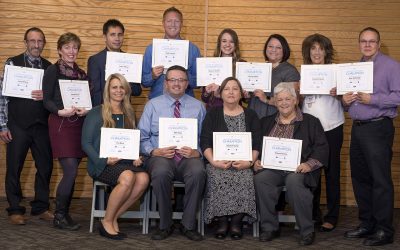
(126, 106)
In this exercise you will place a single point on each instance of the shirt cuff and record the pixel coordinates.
(313, 163)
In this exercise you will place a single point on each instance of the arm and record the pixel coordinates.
(5, 134)
(144, 125)
(95, 80)
(194, 53)
(391, 97)
(147, 77)
(50, 82)
(136, 88)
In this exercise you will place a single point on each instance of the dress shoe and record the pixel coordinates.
(222, 229)
(269, 235)
(236, 232)
(359, 232)
(123, 235)
(324, 227)
(17, 219)
(46, 215)
(162, 234)
(379, 238)
(307, 239)
(191, 234)
(64, 221)
(103, 232)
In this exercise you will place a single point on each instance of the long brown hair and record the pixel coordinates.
(235, 38)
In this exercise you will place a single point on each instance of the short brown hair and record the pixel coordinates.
(370, 29)
(173, 9)
(325, 44)
(67, 38)
(225, 82)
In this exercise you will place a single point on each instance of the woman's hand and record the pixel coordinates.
(112, 160)
(257, 166)
(333, 92)
(222, 164)
(81, 111)
(239, 165)
(67, 112)
(212, 88)
(303, 168)
(138, 162)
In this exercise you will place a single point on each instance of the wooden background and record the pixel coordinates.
(254, 21)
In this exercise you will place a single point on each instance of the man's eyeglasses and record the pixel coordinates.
(174, 80)
(40, 42)
(368, 42)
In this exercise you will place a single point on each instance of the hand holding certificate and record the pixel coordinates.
(213, 70)
(119, 143)
(128, 65)
(21, 81)
(179, 132)
(168, 52)
(232, 146)
(75, 93)
(318, 79)
(280, 153)
(254, 76)
(355, 77)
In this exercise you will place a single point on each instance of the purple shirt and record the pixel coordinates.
(386, 95)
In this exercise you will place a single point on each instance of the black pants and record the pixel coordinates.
(37, 139)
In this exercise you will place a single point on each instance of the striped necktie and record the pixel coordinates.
(177, 114)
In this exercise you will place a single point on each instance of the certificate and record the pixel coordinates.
(213, 70)
(318, 79)
(178, 132)
(75, 93)
(280, 153)
(355, 77)
(120, 143)
(128, 65)
(254, 76)
(168, 53)
(20, 81)
(232, 146)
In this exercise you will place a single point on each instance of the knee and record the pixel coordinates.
(142, 180)
(126, 179)
(294, 181)
(196, 169)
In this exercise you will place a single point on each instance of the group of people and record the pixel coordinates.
(233, 191)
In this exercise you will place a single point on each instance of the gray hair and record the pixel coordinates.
(285, 86)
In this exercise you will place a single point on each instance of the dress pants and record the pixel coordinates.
(163, 171)
(36, 138)
(370, 160)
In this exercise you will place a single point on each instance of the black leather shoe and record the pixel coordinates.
(191, 234)
(307, 239)
(122, 235)
(359, 232)
(379, 238)
(269, 235)
(104, 233)
(162, 234)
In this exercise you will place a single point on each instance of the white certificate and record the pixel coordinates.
(178, 132)
(20, 81)
(75, 93)
(280, 153)
(355, 77)
(254, 76)
(318, 79)
(120, 143)
(168, 53)
(213, 70)
(128, 65)
(232, 146)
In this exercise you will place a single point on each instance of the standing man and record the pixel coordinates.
(113, 33)
(168, 164)
(372, 137)
(23, 126)
(154, 77)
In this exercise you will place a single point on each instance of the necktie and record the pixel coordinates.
(36, 64)
(177, 114)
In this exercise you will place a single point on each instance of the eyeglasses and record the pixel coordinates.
(32, 41)
(174, 80)
(368, 42)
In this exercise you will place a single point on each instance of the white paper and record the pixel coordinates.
(75, 93)
(21, 81)
(281, 153)
(355, 77)
(213, 70)
(232, 146)
(318, 79)
(128, 65)
(168, 53)
(178, 132)
(254, 76)
(120, 143)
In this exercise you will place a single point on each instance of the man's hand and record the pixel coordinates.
(363, 98)
(349, 98)
(5, 136)
(156, 72)
(261, 95)
(167, 152)
(188, 152)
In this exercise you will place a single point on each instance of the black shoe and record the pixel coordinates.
(222, 229)
(359, 232)
(64, 221)
(236, 232)
(379, 238)
(122, 235)
(162, 234)
(103, 232)
(307, 239)
(191, 234)
(269, 235)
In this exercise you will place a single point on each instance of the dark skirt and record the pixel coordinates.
(111, 174)
(65, 136)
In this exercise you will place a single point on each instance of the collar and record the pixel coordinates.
(31, 59)
(298, 117)
(171, 100)
(374, 58)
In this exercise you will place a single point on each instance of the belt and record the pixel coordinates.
(363, 122)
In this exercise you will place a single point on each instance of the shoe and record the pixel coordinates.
(323, 228)
(17, 219)
(269, 235)
(46, 215)
(162, 234)
(222, 229)
(236, 232)
(103, 232)
(379, 238)
(359, 232)
(191, 234)
(62, 221)
(123, 235)
(307, 239)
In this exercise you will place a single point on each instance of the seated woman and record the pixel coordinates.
(127, 177)
(230, 189)
(291, 123)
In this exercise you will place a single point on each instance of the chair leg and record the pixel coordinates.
(93, 208)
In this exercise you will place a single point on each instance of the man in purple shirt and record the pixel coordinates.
(372, 137)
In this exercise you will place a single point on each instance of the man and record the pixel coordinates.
(371, 143)
(23, 126)
(168, 164)
(154, 77)
(113, 33)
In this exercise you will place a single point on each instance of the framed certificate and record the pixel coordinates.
(178, 132)
(213, 70)
(120, 143)
(128, 65)
(75, 93)
(168, 52)
(254, 76)
(20, 81)
(280, 153)
(355, 77)
(318, 79)
(232, 146)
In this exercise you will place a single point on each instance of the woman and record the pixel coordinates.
(230, 188)
(127, 178)
(290, 123)
(276, 52)
(227, 46)
(65, 125)
(318, 49)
